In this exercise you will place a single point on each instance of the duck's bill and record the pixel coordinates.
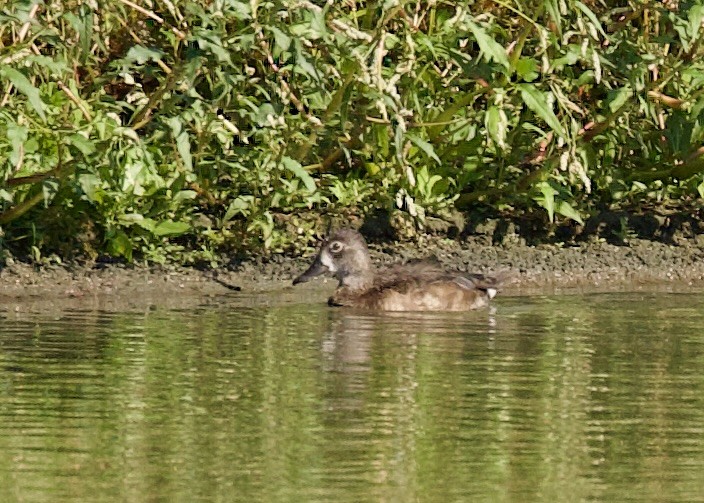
(316, 269)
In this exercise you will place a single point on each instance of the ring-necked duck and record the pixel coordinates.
(420, 286)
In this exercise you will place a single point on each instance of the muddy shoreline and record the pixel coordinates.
(595, 265)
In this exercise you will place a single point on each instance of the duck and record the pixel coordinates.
(416, 286)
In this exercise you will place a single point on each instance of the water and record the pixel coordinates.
(571, 398)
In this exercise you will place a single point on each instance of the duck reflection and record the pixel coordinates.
(361, 350)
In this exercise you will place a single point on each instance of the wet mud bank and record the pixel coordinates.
(596, 265)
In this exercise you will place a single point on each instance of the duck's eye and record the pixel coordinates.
(336, 247)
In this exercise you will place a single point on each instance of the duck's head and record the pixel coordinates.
(345, 256)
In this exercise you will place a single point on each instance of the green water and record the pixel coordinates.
(573, 398)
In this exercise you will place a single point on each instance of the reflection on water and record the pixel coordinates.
(566, 398)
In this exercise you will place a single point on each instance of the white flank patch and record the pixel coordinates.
(491, 292)
(327, 261)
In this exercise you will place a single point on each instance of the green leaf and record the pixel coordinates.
(399, 135)
(140, 54)
(148, 224)
(424, 146)
(92, 187)
(551, 205)
(572, 55)
(129, 219)
(496, 124)
(617, 97)
(84, 27)
(176, 125)
(317, 24)
(82, 143)
(183, 145)
(241, 10)
(264, 110)
(241, 205)
(24, 86)
(553, 9)
(298, 170)
(527, 69)
(490, 47)
(50, 188)
(426, 182)
(184, 195)
(283, 41)
(682, 30)
(566, 210)
(55, 67)
(18, 138)
(183, 142)
(209, 42)
(171, 228)
(592, 17)
(302, 63)
(696, 14)
(6, 196)
(678, 130)
(547, 201)
(538, 103)
(119, 244)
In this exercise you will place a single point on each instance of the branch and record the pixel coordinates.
(73, 98)
(25, 180)
(284, 85)
(155, 17)
(136, 38)
(22, 208)
(60, 171)
(144, 115)
(671, 102)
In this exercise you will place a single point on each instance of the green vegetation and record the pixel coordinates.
(188, 128)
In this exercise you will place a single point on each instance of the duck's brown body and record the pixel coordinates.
(420, 286)
(410, 295)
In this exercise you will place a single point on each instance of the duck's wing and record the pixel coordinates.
(488, 284)
(481, 282)
(417, 271)
(429, 271)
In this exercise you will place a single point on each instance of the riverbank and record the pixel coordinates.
(594, 265)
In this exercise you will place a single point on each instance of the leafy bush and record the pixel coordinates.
(182, 128)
